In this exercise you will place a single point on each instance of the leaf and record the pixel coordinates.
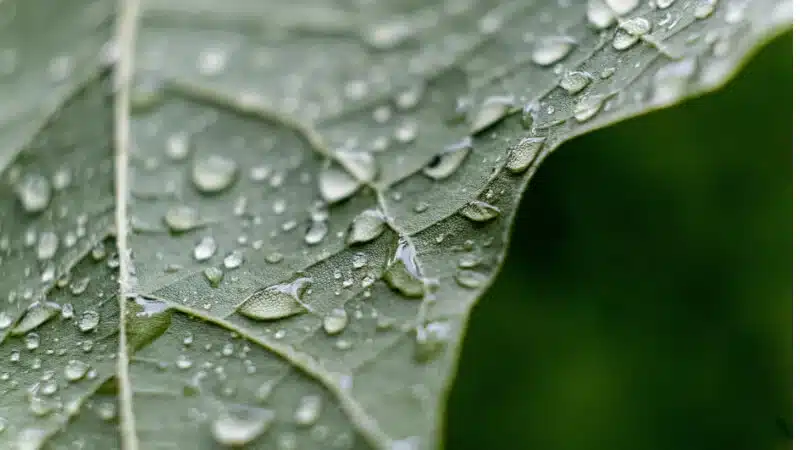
(265, 223)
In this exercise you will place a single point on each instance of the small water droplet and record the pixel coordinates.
(335, 322)
(446, 163)
(316, 232)
(406, 132)
(48, 244)
(205, 249)
(335, 184)
(31, 439)
(523, 154)
(213, 275)
(233, 260)
(308, 411)
(638, 26)
(32, 341)
(180, 218)
(490, 112)
(359, 260)
(277, 301)
(213, 173)
(470, 279)
(88, 321)
(36, 314)
(575, 81)
(273, 257)
(241, 425)
(34, 192)
(704, 9)
(177, 147)
(366, 226)
(599, 14)
(402, 272)
(551, 50)
(431, 340)
(588, 107)
(479, 211)
(663, 4)
(75, 370)
(387, 35)
(5, 320)
(78, 287)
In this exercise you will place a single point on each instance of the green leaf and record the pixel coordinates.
(265, 223)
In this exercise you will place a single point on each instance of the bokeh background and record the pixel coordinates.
(646, 300)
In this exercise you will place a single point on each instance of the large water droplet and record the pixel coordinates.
(335, 184)
(205, 249)
(213, 173)
(308, 411)
(622, 7)
(233, 260)
(446, 163)
(662, 4)
(588, 107)
(470, 279)
(523, 154)
(180, 218)
(490, 112)
(599, 14)
(31, 439)
(704, 9)
(479, 211)
(575, 81)
(241, 425)
(366, 226)
(277, 301)
(89, 320)
(48, 244)
(316, 232)
(75, 369)
(402, 272)
(359, 164)
(335, 322)
(36, 314)
(551, 50)
(34, 192)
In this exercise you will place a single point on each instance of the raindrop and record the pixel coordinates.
(213, 275)
(242, 425)
(387, 35)
(75, 369)
(490, 112)
(62, 179)
(36, 314)
(205, 249)
(177, 146)
(430, 340)
(409, 98)
(366, 226)
(402, 272)
(360, 164)
(316, 232)
(273, 258)
(31, 439)
(335, 184)
(34, 192)
(704, 9)
(32, 341)
(213, 173)
(233, 260)
(335, 322)
(78, 286)
(446, 163)
(359, 260)
(551, 50)
(88, 321)
(671, 80)
(638, 26)
(308, 411)
(663, 4)
(479, 211)
(523, 154)
(470, 279)
(180, 218)
(48, 244)
(588, 107)
(406, 132)
(622, 7)
(599, 14)
(212, 61)
(277, 301)
(5, 320)
(575, 81)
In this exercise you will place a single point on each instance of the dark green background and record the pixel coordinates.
(646, 300)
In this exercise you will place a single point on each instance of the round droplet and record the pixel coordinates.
(308, 411)
(599, 14)
(551, 50)
(180, 218)
(233, 259)
(366, 226)
(335, 322)
(575, 81)
(446, 163)
(213, 173)
(335, 184)
(490, 112)
(34, 192)
(75, 369)
(242, 425)
(32, 340)
(316, 232)
(402, 272)
(277, 301)
(36, 314)
(48, 244)
(205, 249)
(213, 275)
(88, 321)
(479, 211)
(523, 154)
(273, 257)
(177, 147)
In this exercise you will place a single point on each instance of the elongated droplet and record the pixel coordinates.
(402, 272)
(470, 279)
(75, 369)
(34, 192)
(599, 14)
(366, 226)
(180, 218)
(446, 163)
(360, 164)
(213, 173)
(575, 81)
(479, 211)
(48, 244)
(335, 322)
(588, 107)
(638, 26)
(89, 321)
(551, 50)
(523, 154)
(316, 232)
(36, 314)
(335, 184)
(490, 112)
(387, 35)
(205, 249)
(277, 301)
(241, 425)
(308, 410)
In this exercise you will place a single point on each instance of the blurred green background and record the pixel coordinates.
(646, 300)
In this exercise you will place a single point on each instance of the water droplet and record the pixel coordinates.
(624, 40)
(551, 50)
(88, 321)
(308, 411)
(36, 314)
(146, 320)
(671, 80)
(704, 9)
(34, 192)
(180, 218)
(335, 322)
(241, 425)
(523, 154)
(213, 173)
(335, 184)
(402, 272)
(638, 26)
(32, 341)
(212, 61)
(213, 275)
(5, 320)
(599, 14)
(277, 301)
(663, 4)
(470, 279)
(490, 112)
(446, 163)
(31, 439)
(48, 244)
(75, 370)
(316, 232)
(622, 7)
(588, 107)
(359, 164)
(387, 35)
(575, 81)
(233, 260)
(205, 249)
(177, 147)
(366, 226)
(479, 211)
(273, 258)
(406, 132)
(106, 411)
(78, 287)
(430, 340)
(359, 260)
